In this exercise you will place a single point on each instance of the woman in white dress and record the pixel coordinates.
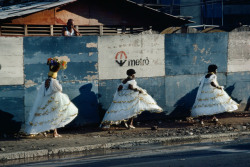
(211, 98)
(52, 109)
(129, 101)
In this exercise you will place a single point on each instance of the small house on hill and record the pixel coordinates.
(91, 17)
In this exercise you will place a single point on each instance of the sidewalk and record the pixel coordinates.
(230, 125)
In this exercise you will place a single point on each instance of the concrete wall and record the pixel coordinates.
(79, 80)
(238, 87)
(178, 62)
(11, 81)
(239, 52)
(144, 53)
(11, 64)
(191, 53)
(238, 68)
(187, 57)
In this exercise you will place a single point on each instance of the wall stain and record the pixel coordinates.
(178, 84)
(205, 61)
(29, 83)
(194, 59)
(91, 45)
(208, 51)
(91, 72)
(96, 66)
(91, 77)
(65, 58)
(202, 50)
(196, 49)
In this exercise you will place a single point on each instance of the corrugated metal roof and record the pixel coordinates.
(29, 8)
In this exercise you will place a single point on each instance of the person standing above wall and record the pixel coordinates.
(70, 29)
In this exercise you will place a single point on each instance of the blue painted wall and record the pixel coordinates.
(181, 92)
(187, 57)
(106, 91)
(238, 87)
(155, 86)
(11, 109)
(187, 54)
(12, 101)
(79, 80)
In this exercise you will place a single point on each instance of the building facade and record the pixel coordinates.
(223, 13)
(91, 17)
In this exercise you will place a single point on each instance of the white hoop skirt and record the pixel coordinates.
(127, 104)
(50, 112)
(211, 100)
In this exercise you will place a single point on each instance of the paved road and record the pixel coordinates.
(225, 154)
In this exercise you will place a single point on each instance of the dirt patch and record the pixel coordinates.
(74, 137)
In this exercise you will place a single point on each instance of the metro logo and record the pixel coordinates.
(121, 58)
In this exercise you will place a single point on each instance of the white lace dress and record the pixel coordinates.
(52, 109)
(211, 100)
(128, 103)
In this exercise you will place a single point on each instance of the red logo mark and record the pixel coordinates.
(121, 58)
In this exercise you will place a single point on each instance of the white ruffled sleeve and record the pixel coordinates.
(213, 78)
(135, 86)
(56, 86)
(133, 83)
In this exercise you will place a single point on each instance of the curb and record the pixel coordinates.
(63, 150)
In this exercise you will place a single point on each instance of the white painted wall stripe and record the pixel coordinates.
(239, 52)
(11, 61)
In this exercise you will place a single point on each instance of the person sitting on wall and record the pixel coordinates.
(70, 30)
(129, 101)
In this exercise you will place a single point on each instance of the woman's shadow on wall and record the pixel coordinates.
(184, 105)
(9, 127)
(230, 90)
(87, 105)
(248, 105)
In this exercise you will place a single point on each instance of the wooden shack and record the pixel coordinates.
(91, 17)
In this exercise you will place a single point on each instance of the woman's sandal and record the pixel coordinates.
(214, 119)
(56, 136)
(126, 125)
(131, 127)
